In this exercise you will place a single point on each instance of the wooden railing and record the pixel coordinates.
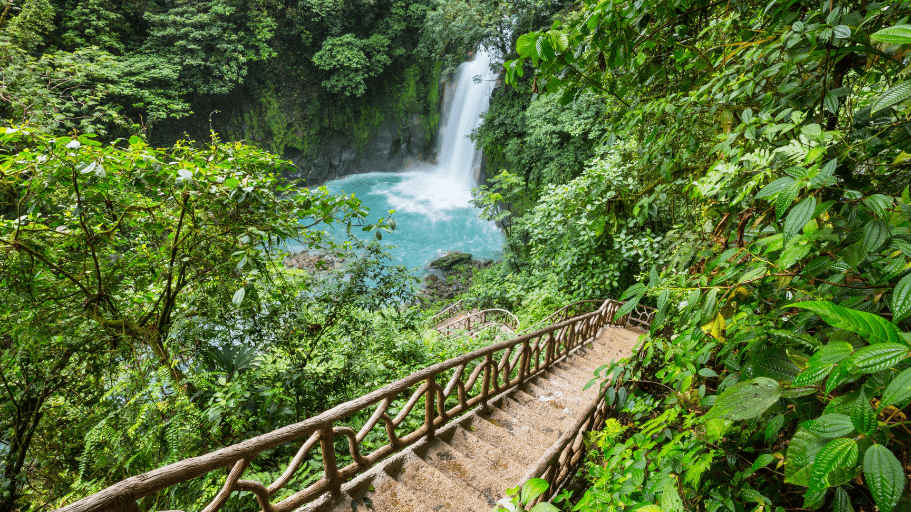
(446, 314)
(557, 464)
(480, 319)
(568, 311)
(435, 396)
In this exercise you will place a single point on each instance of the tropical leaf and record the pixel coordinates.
(898, 34)
(901, 299)
(786, 198)
(837, 454)
(898, 390)
(532, 489)
(842, 501)
(829, 425)
(878, 357)
(872, 328)
(895, 94)
(774, 188)
(746, 400)
(862, 416)
(798, 217)
(875, 234)
(884, 475)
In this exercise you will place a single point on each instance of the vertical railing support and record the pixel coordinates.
(428, 406)
(330, 466)
(485, 386)
(523, 362)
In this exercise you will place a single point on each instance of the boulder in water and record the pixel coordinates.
(449, 261)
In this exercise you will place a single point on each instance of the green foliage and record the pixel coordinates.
(147, 316)
(775, 373)
(351, 61)
(520, 497)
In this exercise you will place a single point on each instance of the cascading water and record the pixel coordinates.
(431, 205)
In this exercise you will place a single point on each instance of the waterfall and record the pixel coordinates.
(447, 185)
(458, 158)
(431, 201)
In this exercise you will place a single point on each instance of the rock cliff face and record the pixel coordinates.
(325, 138)
(390, 147)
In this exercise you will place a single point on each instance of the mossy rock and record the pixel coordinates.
(451, 260)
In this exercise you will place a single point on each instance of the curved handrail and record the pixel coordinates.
(498, 315)
(491, 370)
(564, 309)
(447, 313)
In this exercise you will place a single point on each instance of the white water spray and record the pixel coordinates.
(432, 206)
(434, 189)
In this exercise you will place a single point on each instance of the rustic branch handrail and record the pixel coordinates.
(556, 465)
(566, 312)
(481, 318)
(494, 369)
(447, 313)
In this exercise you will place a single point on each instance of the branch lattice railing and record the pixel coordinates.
(450, 311)
(570, 310)
(398, 415)
(480, 319)
(558, 463)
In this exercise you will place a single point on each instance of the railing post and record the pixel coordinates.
(549, 355)
(428, 406)
(523, 362)
(330, 467)
(485, 386)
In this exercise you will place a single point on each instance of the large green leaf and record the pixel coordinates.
(786, 198)
(801, 453)
(532, 489)
(829, 425)
(873, 328)
(798, 217)
(901, 299)
(875, 234)
(774, 188)
(894, 95)
(544, 507)
(898, 34)
(525, 45)
(838, 454)
(878, 357)
(862, 416)
(898, 390)
(842, 502)
(842, 373)
(833, 353)
(884, 475)
(812, 375)
(746, 400)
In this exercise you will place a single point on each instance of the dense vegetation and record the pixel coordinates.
(742, 166)
(747, 175)
(160, 68)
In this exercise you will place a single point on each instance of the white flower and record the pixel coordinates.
(73, 144)
(507, 504)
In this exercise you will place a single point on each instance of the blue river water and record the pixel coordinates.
(432, 215)
(431, 201)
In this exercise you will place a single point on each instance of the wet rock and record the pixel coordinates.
(451, 260)
(430, 279)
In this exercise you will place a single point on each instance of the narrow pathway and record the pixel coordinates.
(468, 465)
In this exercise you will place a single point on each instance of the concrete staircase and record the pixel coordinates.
(469, 464)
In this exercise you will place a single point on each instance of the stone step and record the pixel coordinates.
(547, 391)
(439, 492)
(514, 447)
(528, 430)
(477, 476)
(545, 416)
(384, 494)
